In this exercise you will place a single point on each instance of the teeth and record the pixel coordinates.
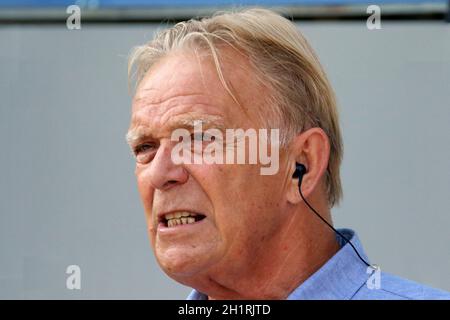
(179, 214)
(178, 218)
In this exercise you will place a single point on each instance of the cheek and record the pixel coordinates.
(146, 192)
(234, 202)
(252, 208)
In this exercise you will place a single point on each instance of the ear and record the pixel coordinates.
(312, 149)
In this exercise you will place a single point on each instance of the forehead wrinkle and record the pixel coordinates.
(207, 120)
(160, 87)
(163, 113)
(185, 121)
(150, 100)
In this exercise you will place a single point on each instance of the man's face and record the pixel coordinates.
(242, 209)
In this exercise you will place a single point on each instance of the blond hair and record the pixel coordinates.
(301, 96)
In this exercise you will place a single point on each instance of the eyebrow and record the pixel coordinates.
(141, 133)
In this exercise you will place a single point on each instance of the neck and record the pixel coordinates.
(302, 245)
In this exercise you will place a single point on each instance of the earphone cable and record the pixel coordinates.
(339, 233)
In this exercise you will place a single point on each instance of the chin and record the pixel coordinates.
(180, 265)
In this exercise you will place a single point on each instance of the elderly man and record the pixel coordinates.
(225, 227)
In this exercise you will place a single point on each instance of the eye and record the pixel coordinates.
(144, 152)
(142, 148)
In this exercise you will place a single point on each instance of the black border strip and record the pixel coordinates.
(156, 15)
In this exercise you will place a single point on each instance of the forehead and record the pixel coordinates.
(186, 83)
(177, 75)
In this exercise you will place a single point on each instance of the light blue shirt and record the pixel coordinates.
(345, 277)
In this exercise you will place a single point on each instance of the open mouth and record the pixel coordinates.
(181, 217)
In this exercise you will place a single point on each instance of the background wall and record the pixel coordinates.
(67, 189)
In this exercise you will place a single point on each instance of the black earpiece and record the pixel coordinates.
(299, 172)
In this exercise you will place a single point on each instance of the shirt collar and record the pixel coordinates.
(339, 278)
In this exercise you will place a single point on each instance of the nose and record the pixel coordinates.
(163, 173)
